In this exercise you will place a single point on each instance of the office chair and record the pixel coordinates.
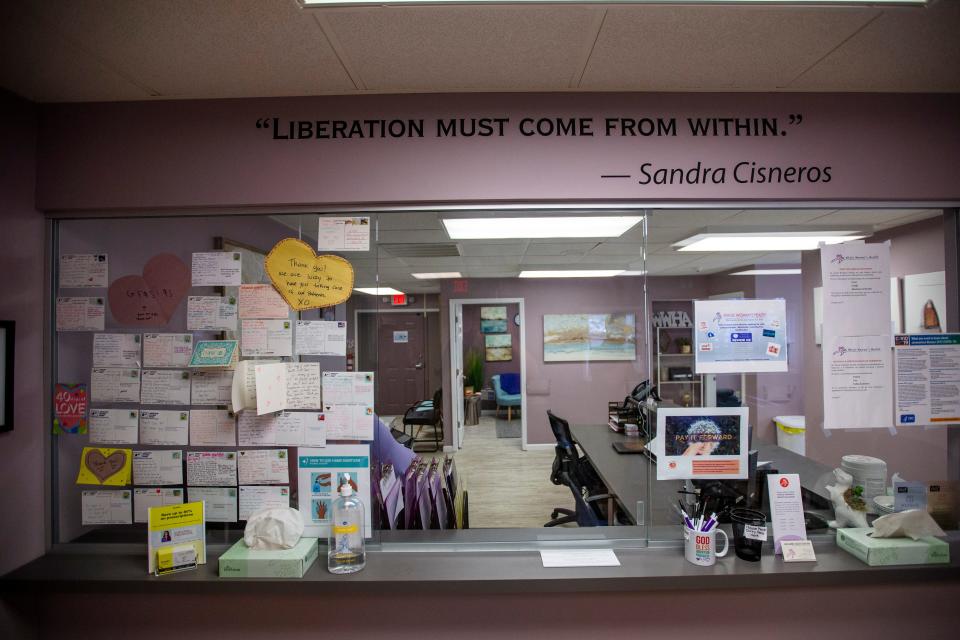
(504, 399)
(572, 470)
(426, 413)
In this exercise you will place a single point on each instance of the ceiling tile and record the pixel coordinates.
(214, 48)
(689, 217)
(902, 50)
(866, 217)
(551, 260)
(773, 217)
(632, 249)
(477, 250)
(560, 248)
(466, 47)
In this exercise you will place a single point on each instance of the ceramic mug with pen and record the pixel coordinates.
(700, 547)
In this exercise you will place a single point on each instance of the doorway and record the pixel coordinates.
(463, 326)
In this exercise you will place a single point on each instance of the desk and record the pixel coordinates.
(627, 476)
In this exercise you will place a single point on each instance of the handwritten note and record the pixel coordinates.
(262, 301)
(263, 466)
(321, 338)
(211, 468)
(211, 313)
(211, 387)
(344, 234)
(143, 499)
(105, 507)
(157, 467)
(212, 428)
(108, 467)
(83, 270)
(114, 426)
(80, 314)
(253, 499)
(165, 386)
(266, 338)
(116, 350)
(284, 428)
(167, 349)
(348, 405)
(289, 385)
(220, 503)
(306, 280)
(114, 385)
(164, 427)
(244, 392)
(216, 269)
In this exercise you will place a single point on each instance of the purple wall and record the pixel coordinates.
(474, 340)
(210, 152)
(22, 474)
(918, 453)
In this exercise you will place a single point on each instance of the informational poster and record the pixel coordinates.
(176, 525)
(116, 350)
(69, 409)
(144, 499)
(212, 468)
(212, 428)
(321, 338)
(211, 313)
(895, 322)
(167, 349)
(702, 443)
(157, 467)
(286, 428)
(857, 380)
(216, 269)
(925, 302)
(786, 508)
(856, 289)
(215, 354)
(211, 387)
(165, 386)
(262, 301)
(253, 499)
(320, 472)
(80, 314)
(106, 507)
(344, 234)
(220, 503)
(348, 405)
(288, 385)
(169, 427)
(927, 369)
(740, 336)
(263, 466)
(114, 385)
(83, 270)
(114, 426)
(261, 338)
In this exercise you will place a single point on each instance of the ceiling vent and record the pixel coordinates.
(413, 250)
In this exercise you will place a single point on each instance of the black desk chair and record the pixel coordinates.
(574, 471)
(426, 413)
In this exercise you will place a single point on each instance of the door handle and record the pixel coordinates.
(419, 365)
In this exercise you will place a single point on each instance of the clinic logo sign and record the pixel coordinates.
(840, 352)
(784, 483)
(838, 259)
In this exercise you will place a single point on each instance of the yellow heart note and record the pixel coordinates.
(306, 280)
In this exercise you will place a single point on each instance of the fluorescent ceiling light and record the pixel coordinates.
(765, 240)
(768, 272)
(437, 276)
(828, 3)
(379, 291)
(632, 273)
(540, 227)
(594, 273)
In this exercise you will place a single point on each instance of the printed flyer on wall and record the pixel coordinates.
(856, 382)
(856, 289)
(740, 336)
(320, 473)
(927, 378)
(702, 443)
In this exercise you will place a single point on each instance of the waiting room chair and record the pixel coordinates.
(426, 413)
(574, 471)
(505, 399)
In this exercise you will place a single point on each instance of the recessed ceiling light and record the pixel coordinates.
(539, 227)
(632, 273)
(379, 291)
(437, 276)
(593, 273)
(768, 272)
(829, 3)
(765, 240)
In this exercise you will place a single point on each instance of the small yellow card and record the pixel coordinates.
(306, 280)
(107, 467)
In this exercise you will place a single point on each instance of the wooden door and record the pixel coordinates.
(401, 365)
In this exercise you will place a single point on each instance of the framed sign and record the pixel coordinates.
(7, 343)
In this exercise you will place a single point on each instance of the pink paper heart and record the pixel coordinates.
(151, 299)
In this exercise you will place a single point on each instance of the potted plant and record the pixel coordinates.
(472, 372)
(683, 344)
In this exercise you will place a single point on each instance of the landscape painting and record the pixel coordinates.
(589, 337)
(499, 347)
(493, 326)
(493, 313)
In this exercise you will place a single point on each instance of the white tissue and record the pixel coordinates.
(277, 528)
(914, 524)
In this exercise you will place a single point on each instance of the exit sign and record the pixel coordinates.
(399, 300)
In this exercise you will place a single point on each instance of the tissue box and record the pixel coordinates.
(881, 552)
(240, 561)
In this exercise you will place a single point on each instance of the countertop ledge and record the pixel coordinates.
(470, 571)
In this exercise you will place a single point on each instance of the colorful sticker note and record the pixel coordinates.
(107, 467)
(70, 409)
(151, 298)
(306, 280)
(217, 354)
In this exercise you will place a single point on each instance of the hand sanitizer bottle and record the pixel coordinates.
(345, 546)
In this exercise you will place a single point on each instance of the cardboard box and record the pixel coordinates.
(240, 561)
(881, 552)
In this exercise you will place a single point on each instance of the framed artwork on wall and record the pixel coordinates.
(499, 347)
(7, 343)
(925, 303)
(493, 313)
(493, 326)
(581, 337)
